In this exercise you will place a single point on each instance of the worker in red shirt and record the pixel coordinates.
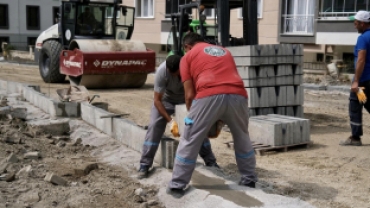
(213, 91)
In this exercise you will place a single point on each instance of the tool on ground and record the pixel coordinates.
(361, 95)
(115, 115)
(174, 128)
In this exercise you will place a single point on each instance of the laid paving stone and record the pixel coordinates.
(32, 155)
(52, 178)
(12, 158)
(86, 170)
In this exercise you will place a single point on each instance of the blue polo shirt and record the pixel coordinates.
(363, 43)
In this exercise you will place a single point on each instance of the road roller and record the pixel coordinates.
(91, 45)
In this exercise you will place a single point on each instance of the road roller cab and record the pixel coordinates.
(91, 32)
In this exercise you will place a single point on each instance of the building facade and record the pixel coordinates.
(324, 27)
(22, 21)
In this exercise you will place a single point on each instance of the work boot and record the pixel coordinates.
(176, 193)
(251, 184)
(351, 141)
(215, 165)
(143, 172)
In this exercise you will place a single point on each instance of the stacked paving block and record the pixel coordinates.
(272, 76)
(278, 130)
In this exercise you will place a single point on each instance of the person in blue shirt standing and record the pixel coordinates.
(361, 79)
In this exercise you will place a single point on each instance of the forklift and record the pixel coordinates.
(217, 33)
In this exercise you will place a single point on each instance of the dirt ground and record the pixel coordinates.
(325, 175)
(105, 186)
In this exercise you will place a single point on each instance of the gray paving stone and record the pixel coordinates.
(281, 95)
(265, 131)
(303, 127)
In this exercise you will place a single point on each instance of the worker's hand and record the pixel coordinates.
(174, 128)
(354, 87)
(361, 95)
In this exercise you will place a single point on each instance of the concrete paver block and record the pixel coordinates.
(247, 61)
(265, 131)
(303, 127)
(252, 112)
(295, 95)
(14, 87)
(272, 97)
(289, 111)
(298, 79)
(281, 95)
(103, 124)
(247, 72)
(54, 127)
(298, 60)
(88, 113)
(246, 51)
(67, 109)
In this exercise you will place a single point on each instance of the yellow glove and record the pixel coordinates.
(215, 130)
(174, 128)
(361, 95)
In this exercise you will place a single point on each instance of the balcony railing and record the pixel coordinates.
(298, 24)
(336, 15)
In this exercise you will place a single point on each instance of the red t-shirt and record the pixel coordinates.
(212, 70)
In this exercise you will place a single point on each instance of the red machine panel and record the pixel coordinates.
(76, 63)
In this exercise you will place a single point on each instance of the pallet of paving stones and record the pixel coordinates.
(262, 149)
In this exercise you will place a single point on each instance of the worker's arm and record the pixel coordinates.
(160, 107)
(360, 65)
(189, 93)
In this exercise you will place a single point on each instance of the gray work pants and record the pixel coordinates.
(157, 127)
(233, 110)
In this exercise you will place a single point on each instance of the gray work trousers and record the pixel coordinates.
(233, 110)
(157, 127)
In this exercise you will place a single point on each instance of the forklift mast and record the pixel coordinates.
(180, 21)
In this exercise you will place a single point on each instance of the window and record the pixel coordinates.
(259, 10)
(109, 13)
(144, 8)
(341, 9)
(3, 40)
(320, 57)
(172, 6)
(33, 17)
(298, 16)
(4, 16)
(55, 15)
(92, 20)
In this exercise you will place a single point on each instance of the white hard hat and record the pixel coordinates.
(362, 16)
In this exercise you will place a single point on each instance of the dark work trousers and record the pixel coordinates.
(355, 109)
(157, 127)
